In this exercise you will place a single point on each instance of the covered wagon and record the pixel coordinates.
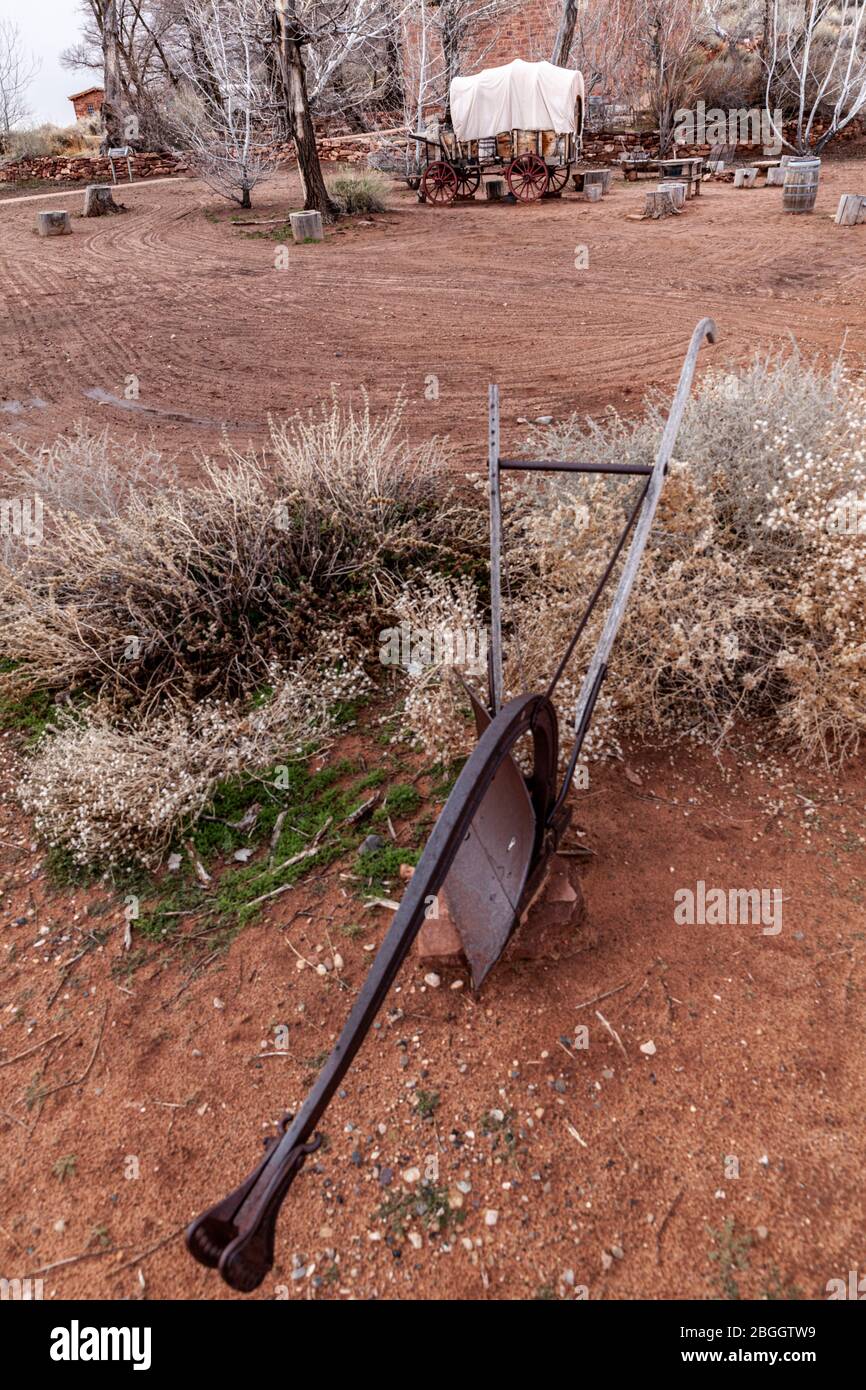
(523, 119)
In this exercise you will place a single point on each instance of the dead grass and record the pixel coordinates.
(751, 597)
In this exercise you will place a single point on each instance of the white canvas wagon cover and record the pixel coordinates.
(517, 96)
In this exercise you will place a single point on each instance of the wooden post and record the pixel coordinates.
(306, 226)
(745, 178)
(53, 223)
(495, 550)
(99, 200)
(851, 210)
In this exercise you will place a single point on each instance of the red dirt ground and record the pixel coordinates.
(613, 1179)
(616, 1170)
(476, 293)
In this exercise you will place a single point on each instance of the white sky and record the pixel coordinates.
(47, 27)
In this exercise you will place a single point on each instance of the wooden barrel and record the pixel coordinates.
(801, 185)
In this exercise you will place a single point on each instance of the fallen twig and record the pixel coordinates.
(663, 1227)
(63, 1085)
(73, 1259)
(613, 1033)
(597, 998)
(151, 1250)
(35, 1048)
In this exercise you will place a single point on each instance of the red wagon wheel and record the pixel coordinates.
(467, 182)
(557, 178)
(439, 183)
(527, 177)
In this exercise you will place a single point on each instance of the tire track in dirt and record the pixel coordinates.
(196, 309)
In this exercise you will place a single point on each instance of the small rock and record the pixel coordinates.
(544, 419)
(174, 863)
(649, 1048)
(606, 1260)
(218, 1004)
(370, 845)
(617, 1252)
(411, 1175)
(415, 1240)
(386, 1177)
(433, 980)
(762, 1232)
(242, 855)
(491, 1217)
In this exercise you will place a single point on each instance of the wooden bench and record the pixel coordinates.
(688, 170)
(633, 165)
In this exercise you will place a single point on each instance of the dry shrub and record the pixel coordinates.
(139, 594)
(365, 191)
(88, 474)
(82, 137)
(446, 646)
(750, 597)
(114, 793)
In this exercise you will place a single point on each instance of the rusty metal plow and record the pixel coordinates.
(487, 851)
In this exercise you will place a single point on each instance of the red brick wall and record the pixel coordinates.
(528, 32)
(80, 104)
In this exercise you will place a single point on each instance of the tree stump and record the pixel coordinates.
(99, 200)
(851, 210)
(53, 223)
(306, 226)
(776, 177)
(495, 190)
(660, 204)
(676, 190)
(745, 178)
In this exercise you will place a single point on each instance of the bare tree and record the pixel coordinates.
(816, 68)
(565, 34)
(112, 102)
(143, 38)
(223, 112)
(441, 39)
(290, 34)
(17, 70)
(601, 44)
(666, 34)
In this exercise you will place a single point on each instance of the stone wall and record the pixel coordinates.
(87, 168)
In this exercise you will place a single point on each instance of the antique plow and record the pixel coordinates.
(487, 852)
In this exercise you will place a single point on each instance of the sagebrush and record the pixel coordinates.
(751, 594)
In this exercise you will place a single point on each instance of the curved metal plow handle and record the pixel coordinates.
(237, 1234)
(588, 691)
